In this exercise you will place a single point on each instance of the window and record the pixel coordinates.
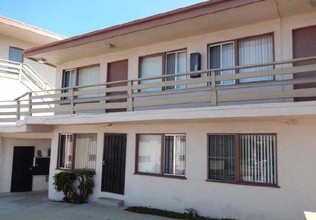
(163, 64)
(221, 56)
(176, 63)
(83, 146)
(151, 67)
(254, 50)
(244, 158)
(161, 154)
(81, 77)
(16, 54)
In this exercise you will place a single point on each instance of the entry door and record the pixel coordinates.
(21, 180)
(113, 165)
(304, 45)
(117, 71)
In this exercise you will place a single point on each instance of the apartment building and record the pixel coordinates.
(20, 75)
(210, 107)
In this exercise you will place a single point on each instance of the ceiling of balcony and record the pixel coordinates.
(204, 23)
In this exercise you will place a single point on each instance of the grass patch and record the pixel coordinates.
(170, 214)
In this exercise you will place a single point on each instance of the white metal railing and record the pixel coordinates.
(206, 90)
(18, 70)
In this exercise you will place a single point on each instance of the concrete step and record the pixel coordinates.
(109, 202)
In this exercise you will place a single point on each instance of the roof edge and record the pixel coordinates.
(199, 9)
(34, 29)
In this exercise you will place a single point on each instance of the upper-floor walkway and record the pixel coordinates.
(283, 83)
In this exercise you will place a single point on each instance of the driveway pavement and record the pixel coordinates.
(36, 206)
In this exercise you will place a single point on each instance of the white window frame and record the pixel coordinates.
(225, 82)
(176, 68)
(174, 154)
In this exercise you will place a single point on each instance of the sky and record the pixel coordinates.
(75, 17)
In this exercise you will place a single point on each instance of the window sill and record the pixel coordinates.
(159, 175)
(245, 183)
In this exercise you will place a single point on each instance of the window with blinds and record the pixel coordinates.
(86, 151)
(254, 154)
(84, 76)
(242, 52)
(151, 67)
(256, 50)
(149, 154)
(77, 151)
(161, 154)
(257, 158)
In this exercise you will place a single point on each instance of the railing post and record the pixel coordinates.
(72, 104)
(20, 71)
(18, 110)
(130, 96)
(30, 104)
(213, 89)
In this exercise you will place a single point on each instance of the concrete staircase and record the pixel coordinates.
(109, 202)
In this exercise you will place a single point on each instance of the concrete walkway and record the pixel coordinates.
(36, 206)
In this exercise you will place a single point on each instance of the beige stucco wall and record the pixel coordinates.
(12, 88)
(296, 154)
(281, 29)
(39, 141)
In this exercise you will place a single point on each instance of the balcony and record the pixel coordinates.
(277, 82)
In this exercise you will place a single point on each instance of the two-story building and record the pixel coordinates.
(19, 75)
(210, 107)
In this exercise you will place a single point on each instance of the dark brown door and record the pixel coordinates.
(22, 178)
(117, 71)
(304, 45)
(113, 165)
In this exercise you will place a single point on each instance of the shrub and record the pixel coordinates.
(76, 186)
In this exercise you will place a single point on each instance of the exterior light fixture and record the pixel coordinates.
(41, 60)
(108, 46)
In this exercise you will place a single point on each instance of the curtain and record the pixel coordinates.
(149, 154)
(222, 157)
(151, 67)
(257, 158)
(256, 51)
(89, 76)
(86, 151)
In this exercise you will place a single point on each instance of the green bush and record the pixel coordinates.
(76, 186)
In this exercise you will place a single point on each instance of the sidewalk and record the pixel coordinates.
(36, 206)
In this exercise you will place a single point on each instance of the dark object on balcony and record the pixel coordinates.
(195, 64)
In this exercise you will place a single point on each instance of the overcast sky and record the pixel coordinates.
(74, 17)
